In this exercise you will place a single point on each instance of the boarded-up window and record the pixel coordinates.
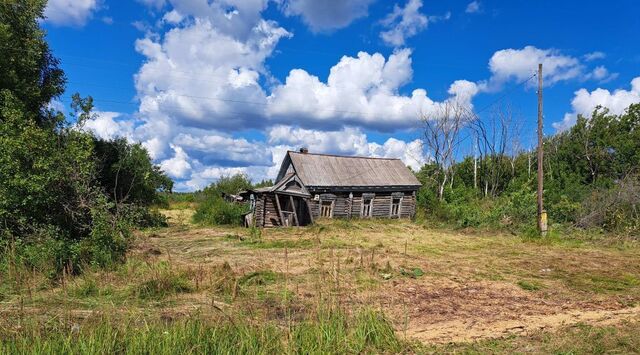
(366, 207)
(326, 209)
(395, 206)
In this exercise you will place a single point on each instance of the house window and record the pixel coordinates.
(326, 209)
(366, 207)
(395, 206)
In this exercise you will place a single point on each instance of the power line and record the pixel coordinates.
(277, 49)
(506, 93)
(265, 104)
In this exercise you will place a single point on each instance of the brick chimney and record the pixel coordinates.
(304, 150)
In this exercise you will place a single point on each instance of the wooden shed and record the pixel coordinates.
(311, 186)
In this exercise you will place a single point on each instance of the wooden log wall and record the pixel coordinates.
(408, 208)
(271, 215)
(381, 206)
(345, 207)
(315, 208)
(340, 207)
(356, 207)
(266, 213)
(258, 214)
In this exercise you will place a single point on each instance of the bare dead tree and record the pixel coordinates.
(497, 143)
(441, 129)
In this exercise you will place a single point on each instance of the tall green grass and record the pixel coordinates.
(110, 337)
(329, 332)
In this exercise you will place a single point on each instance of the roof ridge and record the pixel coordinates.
(342, 156)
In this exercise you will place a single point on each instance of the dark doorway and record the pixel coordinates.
(295, 210)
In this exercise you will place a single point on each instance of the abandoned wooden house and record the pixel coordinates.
(311, 186)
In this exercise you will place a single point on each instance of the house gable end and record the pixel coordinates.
(291, 184)
(285, 168)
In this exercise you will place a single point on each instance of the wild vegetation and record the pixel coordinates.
(590, 172)
(212, 207)
(335, 287)
(97, 255)
(68, 200)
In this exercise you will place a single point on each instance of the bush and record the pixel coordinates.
(464, 207)
(108, 241)
(616, 209)
(216, 211)
(67, 198)
(143, 217)
(516, 208)
(564, 210)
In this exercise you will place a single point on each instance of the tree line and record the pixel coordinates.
(591, 171)
(68, 199)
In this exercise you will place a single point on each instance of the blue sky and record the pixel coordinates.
(219, 87)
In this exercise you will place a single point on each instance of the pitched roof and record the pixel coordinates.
(335, 170)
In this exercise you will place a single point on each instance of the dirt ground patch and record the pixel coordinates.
(457, 331)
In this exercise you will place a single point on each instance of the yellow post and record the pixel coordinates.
(543, 223)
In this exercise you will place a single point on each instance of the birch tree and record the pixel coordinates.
(441, 128)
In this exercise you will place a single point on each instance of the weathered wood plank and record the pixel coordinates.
(279, 209)
(293, 207)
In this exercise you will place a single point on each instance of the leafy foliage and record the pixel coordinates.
(126, 173)
(591, 180)
(29, 70)
(229, 185)
(214, 209)
(67, 199)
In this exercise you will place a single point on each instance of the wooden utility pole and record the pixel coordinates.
(542, 214)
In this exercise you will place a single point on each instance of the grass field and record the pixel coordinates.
(338, 286)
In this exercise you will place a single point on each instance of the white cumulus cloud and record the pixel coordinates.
(347, 141)
(584, 102)
(70, 12)
(360, 90)
(105, 125)
(178, 166)
(206, 78)
(520, 64)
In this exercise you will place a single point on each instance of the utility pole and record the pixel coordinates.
(542, 214)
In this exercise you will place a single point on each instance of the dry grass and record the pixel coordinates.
(435, 286)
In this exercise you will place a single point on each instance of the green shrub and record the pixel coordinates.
(517, 208)
(564, 210)
(216, 211)
(144, 217)
(108, 240)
